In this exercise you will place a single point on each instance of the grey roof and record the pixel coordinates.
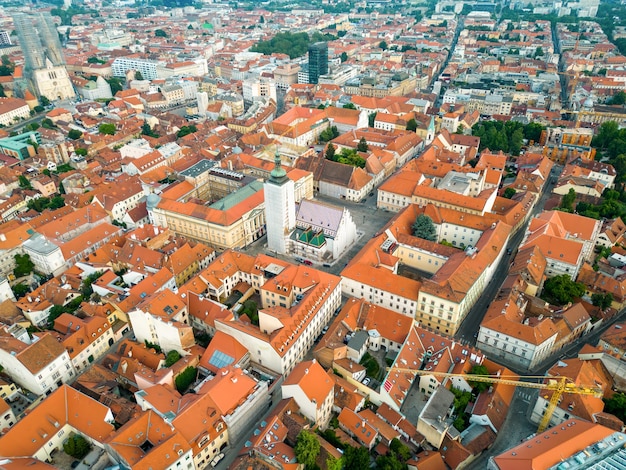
(319, 216)
(199, 168)
(438, 405)
(358, 340)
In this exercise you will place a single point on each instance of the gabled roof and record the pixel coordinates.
(313, 380)
(64, 406)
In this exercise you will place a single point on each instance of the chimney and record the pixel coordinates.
(3, 237)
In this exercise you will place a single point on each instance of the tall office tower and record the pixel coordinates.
(318, 61)
(44, 64)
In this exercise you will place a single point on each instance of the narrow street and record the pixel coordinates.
(472, 321)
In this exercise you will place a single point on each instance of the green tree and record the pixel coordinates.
(479, 386)
(20, 290)
(147, 130)
(533, 131)
(186, 130)
(334, 464)
(107, 129)
(330, 152)
(76, 446)
(185, 379)
(603, 301)
(172, 357)
(329, 134)
(74, 134)
(81, 151)
(85, 288)
(561, 290)
(538, 51)
(307, 449)
(362, 145)
(371, 119)
(424, 228)
(399, 449)
(509, 193)
(55, 312)
(618, 99)
(356, 458)
(23, 182)
(44, 100)
(349, 106)
(567, 202)
(616, 405)
(115, 83)
(159, 33)
(343, 56)
(383, 45)
(608, 132)
(411, 125)
(138, 75)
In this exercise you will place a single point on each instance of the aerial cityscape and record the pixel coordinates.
(313, 235)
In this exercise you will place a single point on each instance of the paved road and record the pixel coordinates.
(472, 321)
(368, 219)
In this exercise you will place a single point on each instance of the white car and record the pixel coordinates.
(366, 381)
(217, 459)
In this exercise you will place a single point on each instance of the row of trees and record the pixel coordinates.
(307, 450)
(506, 136)
(347, 156)
(292, 44)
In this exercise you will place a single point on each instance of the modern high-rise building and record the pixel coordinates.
(318, 61)
(44, 64)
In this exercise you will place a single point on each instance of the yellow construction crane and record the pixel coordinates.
(558, 385)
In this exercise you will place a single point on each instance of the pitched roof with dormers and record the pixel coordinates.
(65, 406)
(165, 442)
(313, 380)
(549, 448)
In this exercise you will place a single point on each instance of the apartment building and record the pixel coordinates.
(296, 303)
(49, 425)
(566, 240)
(86, 340)
(313, 390)
(162, 319)
(441, 301)
(41, 365)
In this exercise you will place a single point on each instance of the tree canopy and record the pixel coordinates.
(107, 128)
(307, 449)
(425, 228)
(346, 156)
(292, 44)
(74, 134)
(506, 136)
(561, 290)
(356, 458)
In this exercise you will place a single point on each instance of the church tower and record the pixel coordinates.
(280, 208)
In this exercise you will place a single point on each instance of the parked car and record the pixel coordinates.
(217, 459)
(308, 262)
(366, 381)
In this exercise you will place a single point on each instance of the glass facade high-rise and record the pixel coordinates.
(318, 61)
